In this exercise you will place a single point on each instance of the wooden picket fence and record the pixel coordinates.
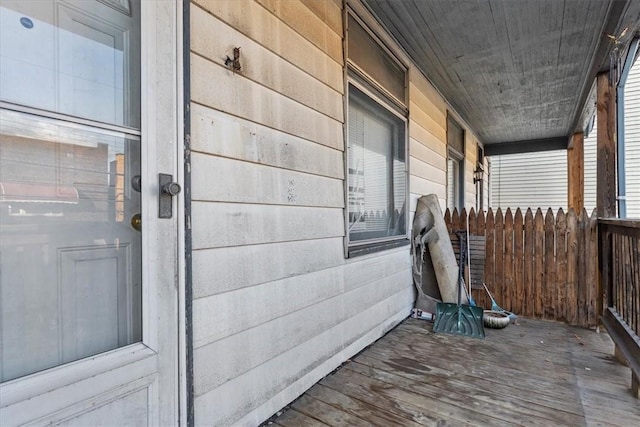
(537, 265)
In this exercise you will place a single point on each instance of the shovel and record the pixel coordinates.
(459, 319)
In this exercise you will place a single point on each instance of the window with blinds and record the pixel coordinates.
(376, 145)
(455, 162)
(377, 172)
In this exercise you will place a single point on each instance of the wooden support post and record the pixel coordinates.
(619, 356)
(606, 170)
(635, 386)
(575, 172)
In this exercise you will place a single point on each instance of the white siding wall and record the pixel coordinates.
(535, 180)
(632, 141)
(590, 168)
(270, 283)
(276, 304)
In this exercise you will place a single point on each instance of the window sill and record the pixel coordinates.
(356, 251)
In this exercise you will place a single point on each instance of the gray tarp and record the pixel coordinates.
(435, 269)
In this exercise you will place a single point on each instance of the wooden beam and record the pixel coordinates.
(606, 151)
(528, 146)
(575, 172)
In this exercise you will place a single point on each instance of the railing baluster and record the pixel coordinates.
(620, 278)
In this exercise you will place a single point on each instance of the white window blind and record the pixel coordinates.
(377, 170)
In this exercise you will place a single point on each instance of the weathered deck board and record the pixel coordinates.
(293, 418)
(536, 373)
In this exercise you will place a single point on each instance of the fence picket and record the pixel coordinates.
(561, 263)
(507, 278)
(447, 220)
(496, 289)
(489, 262)
(582, 269)
(572, 268)
(455, 221)
(529, 254)
(517, 302)
(549, 291)
(472, 222)
(480, 295)
(538, 266)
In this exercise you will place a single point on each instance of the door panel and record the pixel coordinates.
(129, 411)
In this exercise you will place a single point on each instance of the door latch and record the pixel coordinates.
(168, 189)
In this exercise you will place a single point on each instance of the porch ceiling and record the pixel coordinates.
(518, 72)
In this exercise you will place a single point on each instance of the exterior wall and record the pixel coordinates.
(539, 180)
(428, 144)
(470, 158)
(529, 180)
(276, 305)
(632, 140)
(590, 167)
(427, 141)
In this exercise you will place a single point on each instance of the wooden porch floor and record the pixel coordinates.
(536, 373)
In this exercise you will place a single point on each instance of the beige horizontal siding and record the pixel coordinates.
(219, 88)
(224, 360)
(257, 23)
(218, 133)
(306, 23)
(329, 12)
(433, 125)
(300, 367)
(425, 170)
(226, 269)
(261, 184)
(427, 155)
(423, 187)
(235, 224)
(215, 40)
(428, 143)
(417, 132)
(216, 317)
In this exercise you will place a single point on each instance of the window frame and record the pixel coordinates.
(453, 154)
(358, 78)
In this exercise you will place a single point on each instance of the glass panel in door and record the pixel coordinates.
(79, 58)
(70, 245)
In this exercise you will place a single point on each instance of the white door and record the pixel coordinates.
(88, 270)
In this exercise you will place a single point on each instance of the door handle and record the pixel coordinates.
(168, 189)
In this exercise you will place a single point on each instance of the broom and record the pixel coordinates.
(496, 307)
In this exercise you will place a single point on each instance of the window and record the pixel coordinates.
(455, 165)
(377, 187)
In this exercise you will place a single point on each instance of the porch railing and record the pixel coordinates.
(619, 269)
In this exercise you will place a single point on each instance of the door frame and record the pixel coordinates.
(52, 395)
(185, 370)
